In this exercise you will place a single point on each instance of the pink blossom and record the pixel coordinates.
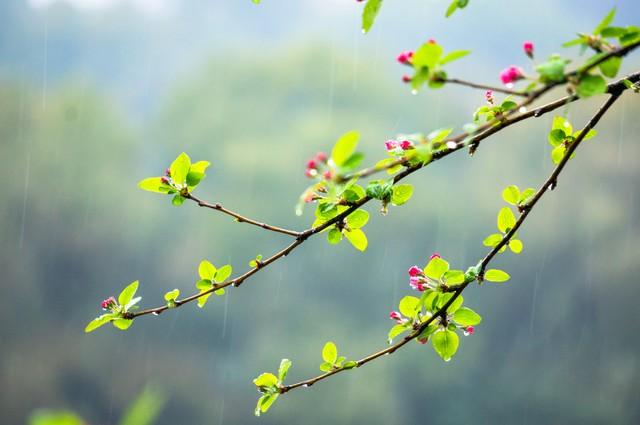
(489, 96)
(108, 304)
(327, 175)
(432, 41)
(415, 271)
(390, 145)
(418, 283)
(511, 74)
(405, 57)
(164, 180)
(310, 172)
(527, 46)
(167, 172)
(469, 330)
(434, 255)
(406, 79)
(394, 315)
(406, 145)
(321, 156)
(312, 164)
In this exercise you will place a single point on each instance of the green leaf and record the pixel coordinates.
(285, 364)
(330, 353)
(326, 367)
(122, 324)
(401, 194)
(344, 147)
(154, 184)
(397, 330)
(334, 236)
(591, 85)
(453, 277)
(591, 133)
(204, 284)
(552, 70)
(206, 270)
(454, 55)
(145, 409)
(409, 306)
(508, 105)
(605, 21)
(357, 219)
(466, 317)
(177, 200)
(516, 246)
(445, 343)
(54, 417)
(495, 275)
(557, 154)
(223, 273)
(611, 66)
(97, 322)
(127, 293)
(492, 240)
(357, 238)
(180, 168)
(265, 402)
(436, 268)
(562, 124)
(380, 189)
(511, 194)
(350, 364)
(427, 56)
(370, 13)
(506, 219)
(202, 300)
(265, 380)
(172, 295)
(452, 8)
(526, 195)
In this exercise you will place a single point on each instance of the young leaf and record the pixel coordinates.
(453, 277)
(154, 184)
(466, 317)
(172, 295)
(330, 352)
(206, 270)
(506, 219)
(334, 236)
(492, 240)
(397, 330)
(223, 273)
(591, 85)
(122, 324)
(127, 293)
(516, 246)
(495, 275)
(285, 364)
(370, 13)
(180, 168)
(511, 194)
(357, 238)
(344, 147)
(202, 301)
(357, 219)
(97, 322)
(409, 306)
(445, 343)
(436, 268)
(401, 194)
(605, 21)
(265, 402)
(265, 380)
(454, 55)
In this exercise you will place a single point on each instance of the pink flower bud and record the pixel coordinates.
(406, 79)
(469, 330)
(432, 41)
(415, 271)
(390, 145)
(511, 74)
(417, 283)
(310, 172)
(489, 96)
(167, 172)
(312, 164)
(527, 46)
(309, 197)
(108, 304)
(327, 175)
(321, 157)
(405, 57)
(394, 315)
(164, 180)
(434, 255)
(406, 145)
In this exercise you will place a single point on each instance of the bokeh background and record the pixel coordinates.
(97, 94)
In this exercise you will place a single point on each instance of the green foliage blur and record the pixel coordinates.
(257, 90)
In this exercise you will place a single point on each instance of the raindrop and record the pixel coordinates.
(414, 92)
(155, 313)
(387, 353)
(448, 360)
(305, 385)
(452, 145)
(522, 109)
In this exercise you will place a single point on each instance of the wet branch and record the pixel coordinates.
(457, 290)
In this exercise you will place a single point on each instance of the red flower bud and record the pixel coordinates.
(321, 156)
(312, 164)
(527, 46)
(164, 180)
(108, 304)
(406, 79)
(434, 255)
(415, 271)
(406, 145)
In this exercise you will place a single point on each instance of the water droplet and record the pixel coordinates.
(387, 353)
(522, 109)
(364, 32)
(305, 386)
(155, 313)
(452, 145)
(448, 360)
(414, 92)
(509, 85)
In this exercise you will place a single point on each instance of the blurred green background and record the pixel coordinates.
(97, 94)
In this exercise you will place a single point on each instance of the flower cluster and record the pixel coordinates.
(405, 57)
(395, 146)
(511, 74)
(489, 96)
(417, 278)
(109, 304)
(315, 166)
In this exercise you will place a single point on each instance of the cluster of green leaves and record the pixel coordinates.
(209, 276)
(562, 136)
(419, 154)
(427, 63)
(492, 111)
(269, 385)
(372, 8)
(441, 331)
(506, 220)
(126, 303)
(332, 361)
(182, 178)
(598, 40)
